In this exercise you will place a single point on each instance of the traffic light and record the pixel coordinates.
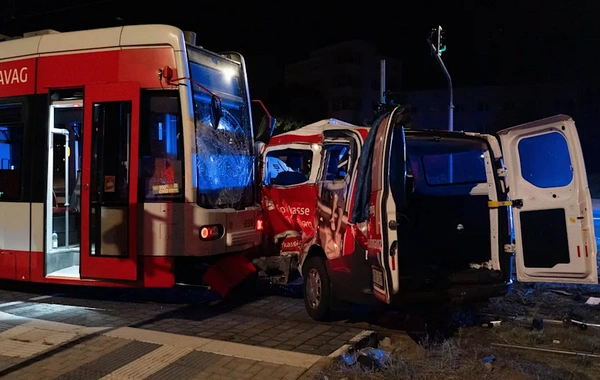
(441, 46)
(437, 37)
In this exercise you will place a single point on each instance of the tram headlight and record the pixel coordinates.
(211, 232)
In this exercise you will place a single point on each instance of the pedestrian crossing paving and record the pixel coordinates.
(52, 350)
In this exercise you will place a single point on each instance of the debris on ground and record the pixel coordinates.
(488, 361)
(386, 344)
(540, 349)
(537, 324)
(583, 325)
(562, 292)
(492, 324)
(487, 265)
(593, 301)
(368, 358)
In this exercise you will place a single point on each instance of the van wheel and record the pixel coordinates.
(317, 294)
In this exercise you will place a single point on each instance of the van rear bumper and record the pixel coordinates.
(458, 293)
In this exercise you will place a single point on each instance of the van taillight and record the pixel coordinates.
(361, 238)
(260, 224)
(211, 232)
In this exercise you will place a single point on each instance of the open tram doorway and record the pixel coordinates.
(63, 203)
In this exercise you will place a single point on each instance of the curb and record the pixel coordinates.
(366, 338)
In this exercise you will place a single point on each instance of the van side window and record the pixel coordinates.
(337, 162)
(11, 151)
(287, 167)
(467, 167)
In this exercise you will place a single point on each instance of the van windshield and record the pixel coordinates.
(288, 167)
(446, 160)
(467, 167)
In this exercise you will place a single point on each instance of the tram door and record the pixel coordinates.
(109, 182)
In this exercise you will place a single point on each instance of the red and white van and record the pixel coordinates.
(387, 213)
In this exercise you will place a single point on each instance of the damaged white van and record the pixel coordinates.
(400, 214)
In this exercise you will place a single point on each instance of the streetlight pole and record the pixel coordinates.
(451, 103)
(437, 49)
(437, 44)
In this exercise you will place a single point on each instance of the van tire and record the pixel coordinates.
(316, 289)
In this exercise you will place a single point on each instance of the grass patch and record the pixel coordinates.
(539, 300)
(461, 357)
(552, 336)
(458, 353)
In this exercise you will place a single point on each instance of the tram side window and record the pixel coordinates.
(161, 150)
(11, 151)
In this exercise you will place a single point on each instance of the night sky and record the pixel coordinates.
(488, 41)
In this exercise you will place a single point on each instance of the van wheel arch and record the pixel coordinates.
(314, 251)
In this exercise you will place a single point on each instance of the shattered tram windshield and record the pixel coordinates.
(224, 162)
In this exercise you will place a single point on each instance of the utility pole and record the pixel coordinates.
(382, 81)
(437, 42)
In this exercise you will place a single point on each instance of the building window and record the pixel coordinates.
(339, 81)
(346, 104)
(11, 151)
(337, 105)
(347, 56)
(353, 104)
(508, 106)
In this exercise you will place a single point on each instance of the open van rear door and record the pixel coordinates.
(382, 232)
(552, 206)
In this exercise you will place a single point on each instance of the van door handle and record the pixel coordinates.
(394, 248)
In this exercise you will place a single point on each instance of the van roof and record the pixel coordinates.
(313, 133)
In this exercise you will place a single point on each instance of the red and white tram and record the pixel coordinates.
(126, 155)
